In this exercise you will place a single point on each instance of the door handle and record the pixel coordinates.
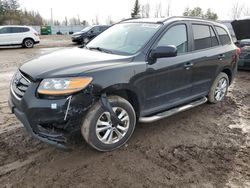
(188, 65)
(221, 56)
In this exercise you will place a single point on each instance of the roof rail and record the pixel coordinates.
(190, 17)
(127, 19)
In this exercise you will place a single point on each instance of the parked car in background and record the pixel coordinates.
(88, 33)
(242, 33)
(18, 35)
(139, 70)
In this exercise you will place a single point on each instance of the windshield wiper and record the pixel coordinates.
(100, 49)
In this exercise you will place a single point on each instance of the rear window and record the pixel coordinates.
(204, 37)
(223, 35)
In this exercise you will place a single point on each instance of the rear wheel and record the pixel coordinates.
(104, 135)
(219, 88)
(28, 43)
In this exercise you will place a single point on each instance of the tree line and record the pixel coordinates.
(10, 13)
(237, 11)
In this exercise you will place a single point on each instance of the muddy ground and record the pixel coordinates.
(208, 146)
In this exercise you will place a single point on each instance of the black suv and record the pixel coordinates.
(88, 33)
(139, 70)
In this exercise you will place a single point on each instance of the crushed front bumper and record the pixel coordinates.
(52, 121)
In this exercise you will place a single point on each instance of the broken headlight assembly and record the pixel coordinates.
(63, 86)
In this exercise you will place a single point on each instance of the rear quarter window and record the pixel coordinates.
(223, 35)
(25, 29)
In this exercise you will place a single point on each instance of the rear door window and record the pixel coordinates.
(223, 35)
(16, 30)
(204, 37)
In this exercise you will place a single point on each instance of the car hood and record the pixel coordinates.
(241, 29)
(78, 33)
(70, 62)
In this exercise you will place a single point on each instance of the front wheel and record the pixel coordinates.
(104, 135)
(219, 88)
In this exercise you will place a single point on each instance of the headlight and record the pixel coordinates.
(57, 86)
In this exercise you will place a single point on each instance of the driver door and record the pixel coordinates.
(168, 80)
(6, 37)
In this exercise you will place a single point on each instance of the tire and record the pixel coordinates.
(218, 92)
(90, 128)
(28, 43)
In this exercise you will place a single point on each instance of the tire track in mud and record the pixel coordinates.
(19, 164)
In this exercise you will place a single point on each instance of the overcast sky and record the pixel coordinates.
(118, 9)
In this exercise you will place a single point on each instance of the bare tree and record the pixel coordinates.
(145, 10)
(158, 10)
(236, 11)
(65, 22)
(109, 20)
(96, 20)
(168, 13)
(73, 21)
(246, 11)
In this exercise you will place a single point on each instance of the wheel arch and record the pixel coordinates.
(128, 93)
(28, 38)
(229, 73)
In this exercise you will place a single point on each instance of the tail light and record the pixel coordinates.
(36, 34)
(238, 51)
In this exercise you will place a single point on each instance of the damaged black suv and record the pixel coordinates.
(139, 70)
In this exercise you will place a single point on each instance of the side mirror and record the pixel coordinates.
(164, 51)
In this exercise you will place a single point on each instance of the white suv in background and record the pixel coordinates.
(18, 35)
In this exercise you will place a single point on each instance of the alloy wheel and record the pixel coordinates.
(221, 89)
(109, 133)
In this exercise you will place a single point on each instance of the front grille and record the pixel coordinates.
(19, 85)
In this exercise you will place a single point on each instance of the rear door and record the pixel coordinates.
(17, 35)
(207, 55)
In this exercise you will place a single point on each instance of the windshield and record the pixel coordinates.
(86, 29)
(125, 38)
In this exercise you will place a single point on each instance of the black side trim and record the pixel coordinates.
(106, 105)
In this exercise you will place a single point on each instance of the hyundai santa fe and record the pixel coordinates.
(18, 35)
(139, 70)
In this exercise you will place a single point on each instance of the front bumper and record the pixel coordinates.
(52, 121)
(77, 39)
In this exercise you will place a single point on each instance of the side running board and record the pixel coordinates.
(172, 111)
